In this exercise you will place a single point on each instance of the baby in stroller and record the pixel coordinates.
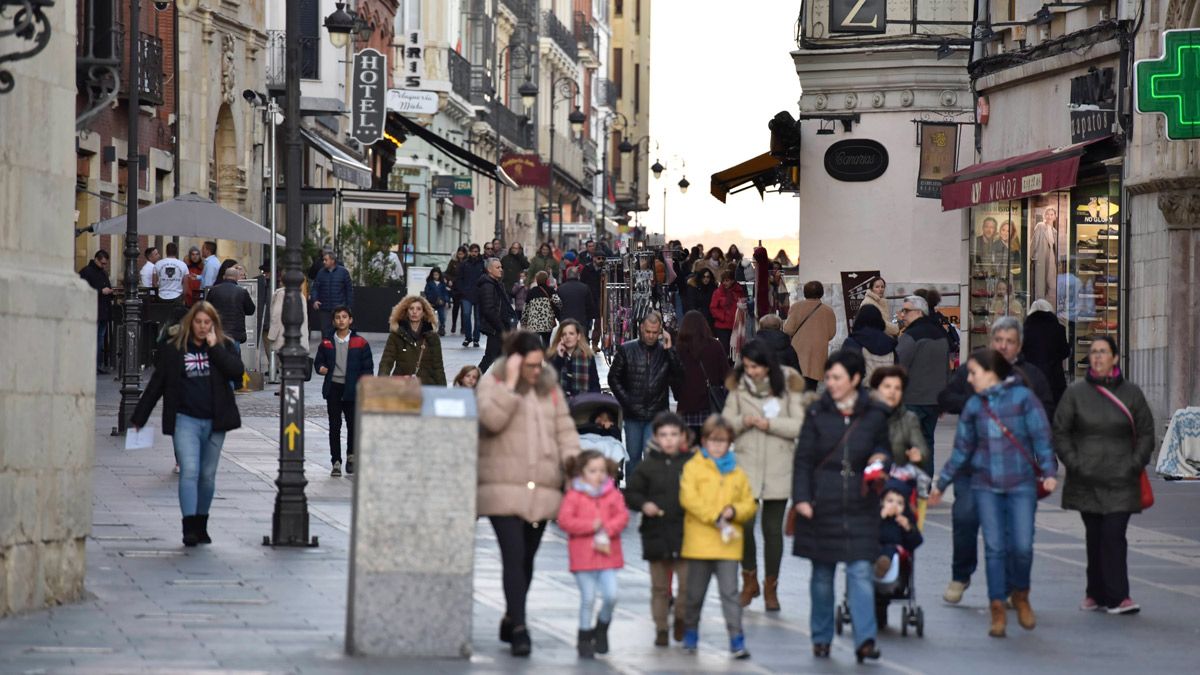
(899, 535)
(597, 418)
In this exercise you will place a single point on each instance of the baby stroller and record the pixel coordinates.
(588, 411)
(900, 582)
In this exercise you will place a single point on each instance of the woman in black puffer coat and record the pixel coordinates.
(837, 520)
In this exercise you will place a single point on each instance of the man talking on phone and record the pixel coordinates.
(641, 375)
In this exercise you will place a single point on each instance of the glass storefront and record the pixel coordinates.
(1063, 247)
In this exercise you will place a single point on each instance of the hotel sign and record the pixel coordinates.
(369, 106)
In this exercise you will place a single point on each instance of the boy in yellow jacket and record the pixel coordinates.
(717, 501)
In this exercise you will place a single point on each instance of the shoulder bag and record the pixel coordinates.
(716, 393)
(1042, 492)
(1144, 481)
(789, 527)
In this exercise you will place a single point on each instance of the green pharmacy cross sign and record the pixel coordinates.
(1171, 84)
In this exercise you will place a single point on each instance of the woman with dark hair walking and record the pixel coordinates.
(837, 520)
(1003, 439)
(766, 408)
(1104, 435)
(542, 306)
(196, 371)
(870, 338)
(704, 369)
(525, 438)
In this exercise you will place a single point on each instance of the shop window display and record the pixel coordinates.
(1088, 298)
(998, 267)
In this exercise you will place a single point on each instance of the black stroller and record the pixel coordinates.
(592, 436)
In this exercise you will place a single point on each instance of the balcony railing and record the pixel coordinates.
(310, 51)
(150, 82)
(587, 38)
(560, 34)
(606, 93)
(525, 10)
(512, 127)
(460, 74)
(482, 89)
(589, 153)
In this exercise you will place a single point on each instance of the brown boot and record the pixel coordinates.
(999, 619)
(770, 598)
(1025, 617)
(750, 588)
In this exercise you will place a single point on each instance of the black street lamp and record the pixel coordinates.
(339, 24)
(683, 185)
(528, 92)
(656, 169)
(614, 120)
(564, 88)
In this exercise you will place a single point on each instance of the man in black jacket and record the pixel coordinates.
(964, 519)
(641, 376)
(770, 331)
(96, 274)
(577, 301)
(496, 314)
(233, 304)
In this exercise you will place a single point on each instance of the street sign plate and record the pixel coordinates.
(1170, 84)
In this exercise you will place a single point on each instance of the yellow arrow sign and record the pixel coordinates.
(292, 432)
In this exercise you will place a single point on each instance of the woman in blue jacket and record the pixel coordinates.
(438, 295)
(1003, 439)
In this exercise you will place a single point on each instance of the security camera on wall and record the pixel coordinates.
(162, 5)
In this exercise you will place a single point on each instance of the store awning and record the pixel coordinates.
(345, 167)
(761, 171)
(378, 200)
(1017, 177)
(399, 126)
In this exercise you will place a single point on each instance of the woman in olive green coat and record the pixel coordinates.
(1104, 436)
(907, 442)
(413, 347)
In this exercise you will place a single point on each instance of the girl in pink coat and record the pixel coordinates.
(593, 515)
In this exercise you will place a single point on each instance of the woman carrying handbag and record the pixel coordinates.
(413, 347)
(1104, 436)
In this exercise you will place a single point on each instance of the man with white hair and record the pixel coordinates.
(924, 351)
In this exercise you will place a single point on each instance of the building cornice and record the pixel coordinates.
(881, 80)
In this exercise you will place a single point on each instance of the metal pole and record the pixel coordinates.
(603, 180)
(664, 214)
(272, 110)
(131, 370)
(289, 522)
(550, 188)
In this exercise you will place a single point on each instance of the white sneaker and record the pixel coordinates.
(954, 591)
(176, 470)
(1127, 606)
(337, 470)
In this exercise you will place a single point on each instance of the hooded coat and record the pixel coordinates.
(704, 492)
(525, 437)
(766, 456)
(413, 354)
(889, 327)
(876, 346)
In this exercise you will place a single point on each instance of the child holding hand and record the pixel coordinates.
(717, 501)
(593, 515)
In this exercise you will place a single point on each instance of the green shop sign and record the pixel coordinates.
(445, 187)
(1170, 84)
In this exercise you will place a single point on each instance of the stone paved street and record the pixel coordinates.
(152, 606)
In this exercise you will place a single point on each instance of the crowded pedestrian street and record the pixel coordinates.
(582, 336)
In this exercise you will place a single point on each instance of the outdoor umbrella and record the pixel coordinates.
(191, 215)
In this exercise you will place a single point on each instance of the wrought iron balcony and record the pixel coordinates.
(459, 69)
(512, 127)
(606, 93)
(526, 11)
(560, 34)
(150, 82)
(588, 40)
(482, 88)
(310, 59)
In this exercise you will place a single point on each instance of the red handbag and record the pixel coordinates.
(1144, 480)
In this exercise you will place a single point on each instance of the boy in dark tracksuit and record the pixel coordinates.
(897, 525)
(342, 357)
(653, 489)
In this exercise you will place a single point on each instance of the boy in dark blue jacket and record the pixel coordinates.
(342, 357)
(897, 527)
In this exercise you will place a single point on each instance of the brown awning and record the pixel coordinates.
(761, 171)
(1017, 177)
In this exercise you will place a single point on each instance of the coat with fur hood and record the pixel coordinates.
(767, 456)
(889, 326)
(525, 438)
(413, 354)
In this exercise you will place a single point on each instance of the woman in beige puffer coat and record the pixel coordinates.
(876, 296)
(766, 408)
(525, 437)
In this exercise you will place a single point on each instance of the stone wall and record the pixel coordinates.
(47, 324)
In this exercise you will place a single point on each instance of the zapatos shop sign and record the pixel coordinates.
(856, 160)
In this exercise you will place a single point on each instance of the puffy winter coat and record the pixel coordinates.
(577, 517)
(358, 363)
(904, 432)
(413, 354)
(1103, 455)
(704, 493)
(541, 309)
(699, 297)
(525, 436)
(496, 314)
(640, 378)
(781, 344)
(828, 474)
(541, 263)
(233, 304)
(723, 305)
(656, 480)
(767, 456)
(877, 349)
(889, 326)
(333, 287)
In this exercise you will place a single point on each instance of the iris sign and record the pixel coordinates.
(1170, 84)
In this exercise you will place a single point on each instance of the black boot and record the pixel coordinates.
(506, 630)
(601, 637)
(521, 644)
(190, 537)
(202, 529)
(587, 644)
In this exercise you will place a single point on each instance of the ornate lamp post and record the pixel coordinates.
(29, 24)
(528, 92)
(564, 88)
(614, 120)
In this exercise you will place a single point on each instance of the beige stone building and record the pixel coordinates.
(629, 69)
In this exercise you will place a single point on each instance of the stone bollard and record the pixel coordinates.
(412, 540)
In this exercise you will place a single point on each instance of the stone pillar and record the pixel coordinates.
(48, 329)
(412, 542)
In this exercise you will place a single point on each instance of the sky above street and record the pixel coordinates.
(717, 77)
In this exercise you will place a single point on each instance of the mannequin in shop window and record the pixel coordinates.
(1043, 256)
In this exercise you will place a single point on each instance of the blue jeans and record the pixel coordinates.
(589, 582)
(861, 591)
(637, 434)
(964, 519)
(197, 449)
(928, 416)
(101, 332)
(470, 321)
(1007, 519)
(441, 314)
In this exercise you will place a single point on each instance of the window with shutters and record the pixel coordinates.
(618, 65)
